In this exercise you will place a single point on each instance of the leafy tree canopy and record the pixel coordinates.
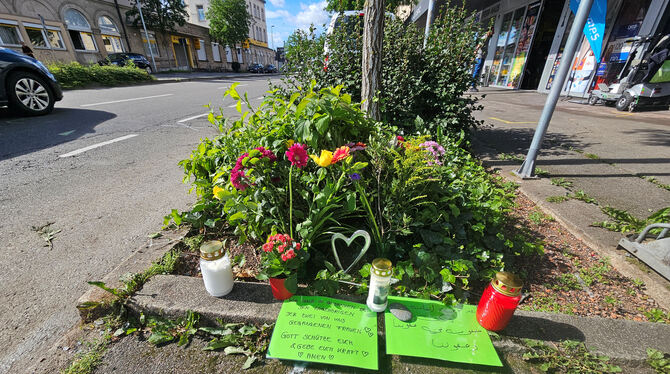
(229, 21)
(159, 15)
(342, 5)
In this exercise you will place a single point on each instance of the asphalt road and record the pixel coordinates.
(102, 168)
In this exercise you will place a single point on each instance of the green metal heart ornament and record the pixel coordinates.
(358, 233)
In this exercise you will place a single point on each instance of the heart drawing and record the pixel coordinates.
(358, 233)
(364, 353)
(369, 331)
(299, 354)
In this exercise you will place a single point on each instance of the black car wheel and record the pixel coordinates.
(29, 94)
(626, 102)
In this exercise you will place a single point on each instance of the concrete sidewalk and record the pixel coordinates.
(603, 152)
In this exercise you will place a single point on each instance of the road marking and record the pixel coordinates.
(124, 100)
(194, 117)
(622, 114)
(66, 133)
(226, 87)
(82, 150)
(232, 106)
(510, 122)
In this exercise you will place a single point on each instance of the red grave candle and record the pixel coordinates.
(499, 301)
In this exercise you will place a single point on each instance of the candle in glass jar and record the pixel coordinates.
(216, 269)
(380, 282)
(499, 301)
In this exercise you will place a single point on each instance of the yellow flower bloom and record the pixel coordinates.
(324, 160)
(216, 191)
(289, 143)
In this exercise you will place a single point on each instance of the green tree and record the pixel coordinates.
(229, 21)
(342, 5)
(159, 15)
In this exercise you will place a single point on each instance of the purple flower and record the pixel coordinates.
(355, 176)
(435, 149)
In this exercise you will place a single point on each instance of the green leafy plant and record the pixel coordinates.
(657, 182)
(658, 360)
(541, 173)
(592, 156)
(624, 222)
(561, 182)
(581, 195)
(566, 282)
(510, 156)
(237, 338)
(611, 300)
(47, 233)
(567, 357)
(657, 315)
(538, 217)
(87, 361)
(164, 331)
(558, 198)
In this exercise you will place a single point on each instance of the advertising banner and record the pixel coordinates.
(595, 25)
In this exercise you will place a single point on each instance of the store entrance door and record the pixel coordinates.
(544, 36)
(180, 54)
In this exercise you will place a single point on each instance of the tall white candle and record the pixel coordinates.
(216, 269)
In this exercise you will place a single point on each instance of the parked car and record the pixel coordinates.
(255, 68)
(120, 59)
(269, 68)
(26, 85)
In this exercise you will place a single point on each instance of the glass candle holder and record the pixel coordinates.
(499, 301)
(380, 282)
(216, 269)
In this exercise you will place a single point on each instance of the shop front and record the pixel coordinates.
(625, 20)
(523, 31)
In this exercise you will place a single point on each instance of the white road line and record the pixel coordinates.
(82, 150)
(194, 117)
(232, 106)
(124, 100)
(227, 87)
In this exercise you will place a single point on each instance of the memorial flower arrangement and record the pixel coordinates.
(311, 164)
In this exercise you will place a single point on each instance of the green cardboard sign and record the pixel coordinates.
(325, 330)
(440, 332)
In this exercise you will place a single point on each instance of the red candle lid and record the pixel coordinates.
(507, 283)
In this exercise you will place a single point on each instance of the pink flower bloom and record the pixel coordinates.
(297, 154)
(297, 246)
(267, 247)
(340, 154)
(290, 254)
(400, 138)
(284, 257)
(281, 248)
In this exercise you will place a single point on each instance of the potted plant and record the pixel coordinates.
(280, 260)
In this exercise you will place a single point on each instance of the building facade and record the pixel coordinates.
(87, 31)
(255, 50)
(529, 37)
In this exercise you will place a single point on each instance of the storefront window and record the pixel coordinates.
(523, 47)
(500, 47)
(40, 37)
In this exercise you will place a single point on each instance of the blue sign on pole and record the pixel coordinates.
(595, 25)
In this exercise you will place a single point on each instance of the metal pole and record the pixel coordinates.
(146, 33)
(123, 25)
(527, 169)
(429, 20)
(272, 32)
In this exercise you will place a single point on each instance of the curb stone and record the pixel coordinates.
(136, 262)
(170, 296)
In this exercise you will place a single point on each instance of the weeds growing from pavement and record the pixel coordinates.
(658, 360)
(557, 198)
(561, 182)
(567, 357)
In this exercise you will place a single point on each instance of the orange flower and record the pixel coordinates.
(340, 154)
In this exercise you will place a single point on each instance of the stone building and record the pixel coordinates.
(88, 30)
(255, 49)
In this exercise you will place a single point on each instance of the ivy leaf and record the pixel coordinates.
(158, 338)
(250, 361)
(248, 330)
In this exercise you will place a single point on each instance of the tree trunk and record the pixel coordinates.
(373, 32)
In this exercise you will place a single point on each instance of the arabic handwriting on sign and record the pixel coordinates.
(431, 331)
(402, 325)
(455, 347)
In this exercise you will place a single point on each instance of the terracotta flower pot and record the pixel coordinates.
(279, 291)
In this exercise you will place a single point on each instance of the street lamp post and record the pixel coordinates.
(272, 36)
(146, 34)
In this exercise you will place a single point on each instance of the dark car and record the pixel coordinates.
(269, 68)
(26, 85)
(256, 68)
(120, 59)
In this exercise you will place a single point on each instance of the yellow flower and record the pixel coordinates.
(289, 143)
(216, 191)
(324, 160)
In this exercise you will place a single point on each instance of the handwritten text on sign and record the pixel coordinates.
(330, 331)
(440, 332)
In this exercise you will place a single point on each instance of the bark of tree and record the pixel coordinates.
(373, 32)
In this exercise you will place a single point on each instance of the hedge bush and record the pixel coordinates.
(422, 88)
(76, 75)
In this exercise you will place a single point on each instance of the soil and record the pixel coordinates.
(569, 277)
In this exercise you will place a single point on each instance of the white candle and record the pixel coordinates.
(216, 270)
